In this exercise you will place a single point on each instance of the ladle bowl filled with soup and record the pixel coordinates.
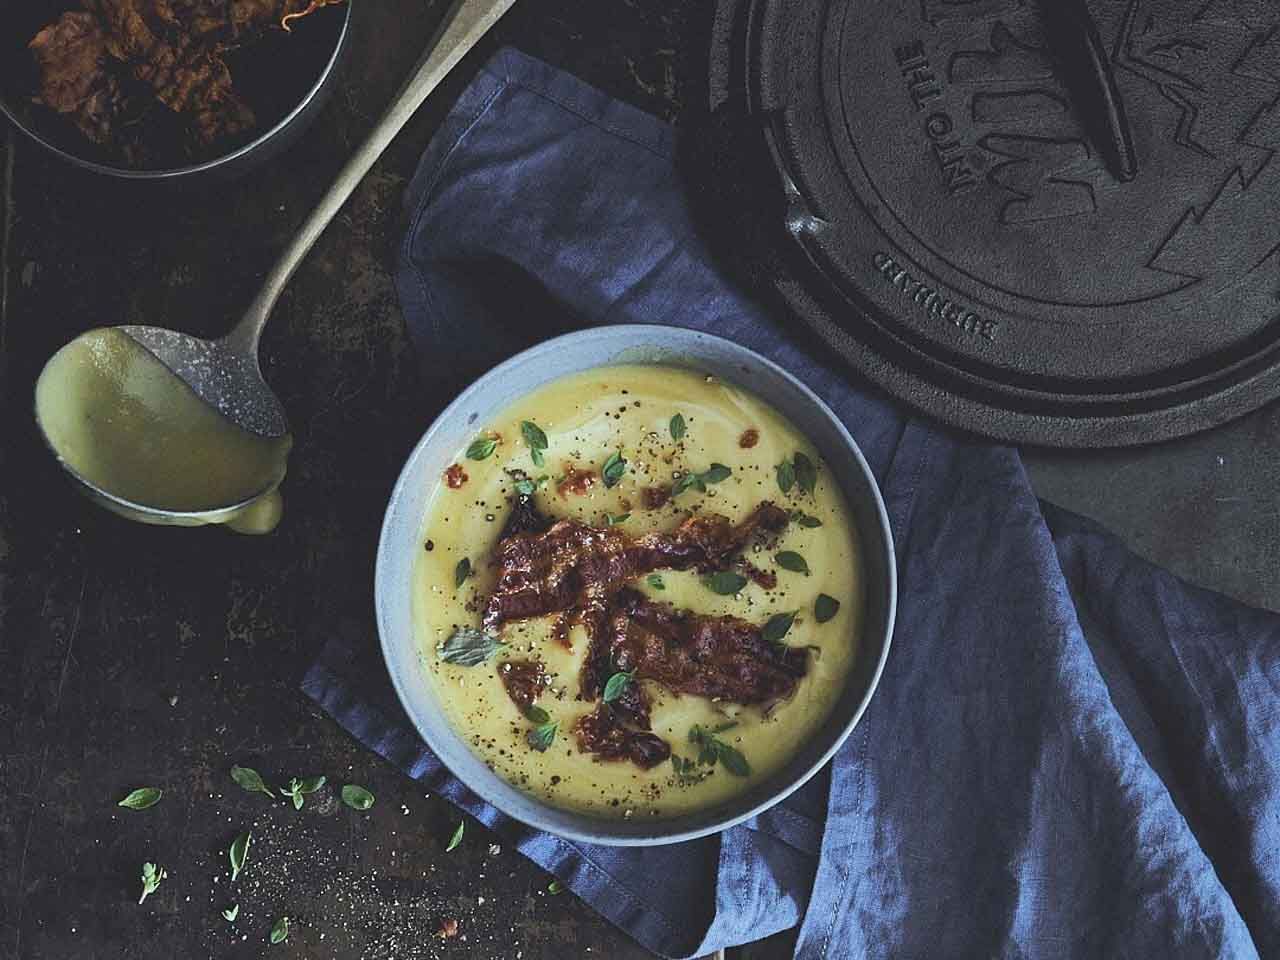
(145, 446)
(635, 585)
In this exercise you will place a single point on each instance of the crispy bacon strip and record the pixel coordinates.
(297, 14)
(581, 572)
(173, 48)
(722, 658)
(177, 53)
(524, 681)
(575, 567)
(603, 734)
(69, 53)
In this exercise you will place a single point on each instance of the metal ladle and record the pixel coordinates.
(225, 373)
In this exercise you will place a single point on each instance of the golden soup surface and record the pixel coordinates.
(586, 418)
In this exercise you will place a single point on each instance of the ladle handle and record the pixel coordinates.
(465, 23)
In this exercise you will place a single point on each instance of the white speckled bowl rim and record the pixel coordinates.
(400, 544)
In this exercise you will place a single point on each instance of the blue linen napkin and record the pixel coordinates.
(1072, 754)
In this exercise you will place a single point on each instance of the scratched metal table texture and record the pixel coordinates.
(133, 656)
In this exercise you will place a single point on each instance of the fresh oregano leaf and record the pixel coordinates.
(469, 647)
(655, 581)
(280, 932)
(806, 472)
(705, 743)
(533, 435)
(726, 582)
(536, 714)
(688, 481)
(802, 518)
(617, 686)
(677, 427)
(732, 760)
(231, 913)
(790, 560)
(535, 439)
(543, 735)
(544, 731)
(613, 519)
(825, 607)
(716, 473)
(238, 853)
(482, 448)
(786, 476)
(297, 789)
(555, 888)
(687, 770)
(778, 626)
(461, 572)
(613, 469)
(527, 487)
(700, 734)
(357, 797)
(151, 877)
(457, 837)
(249, 780)
(312, 784)
(141, 798)
(713, 749)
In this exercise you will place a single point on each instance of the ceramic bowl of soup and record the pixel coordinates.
(635, 585)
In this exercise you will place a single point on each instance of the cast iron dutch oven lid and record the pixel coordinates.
(1053, 222)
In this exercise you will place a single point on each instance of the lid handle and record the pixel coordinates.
(1076, 42)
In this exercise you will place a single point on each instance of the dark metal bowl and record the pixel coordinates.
(286, 79)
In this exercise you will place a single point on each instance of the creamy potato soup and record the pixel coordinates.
(639, 592)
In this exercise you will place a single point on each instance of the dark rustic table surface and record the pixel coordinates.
(131, 655)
